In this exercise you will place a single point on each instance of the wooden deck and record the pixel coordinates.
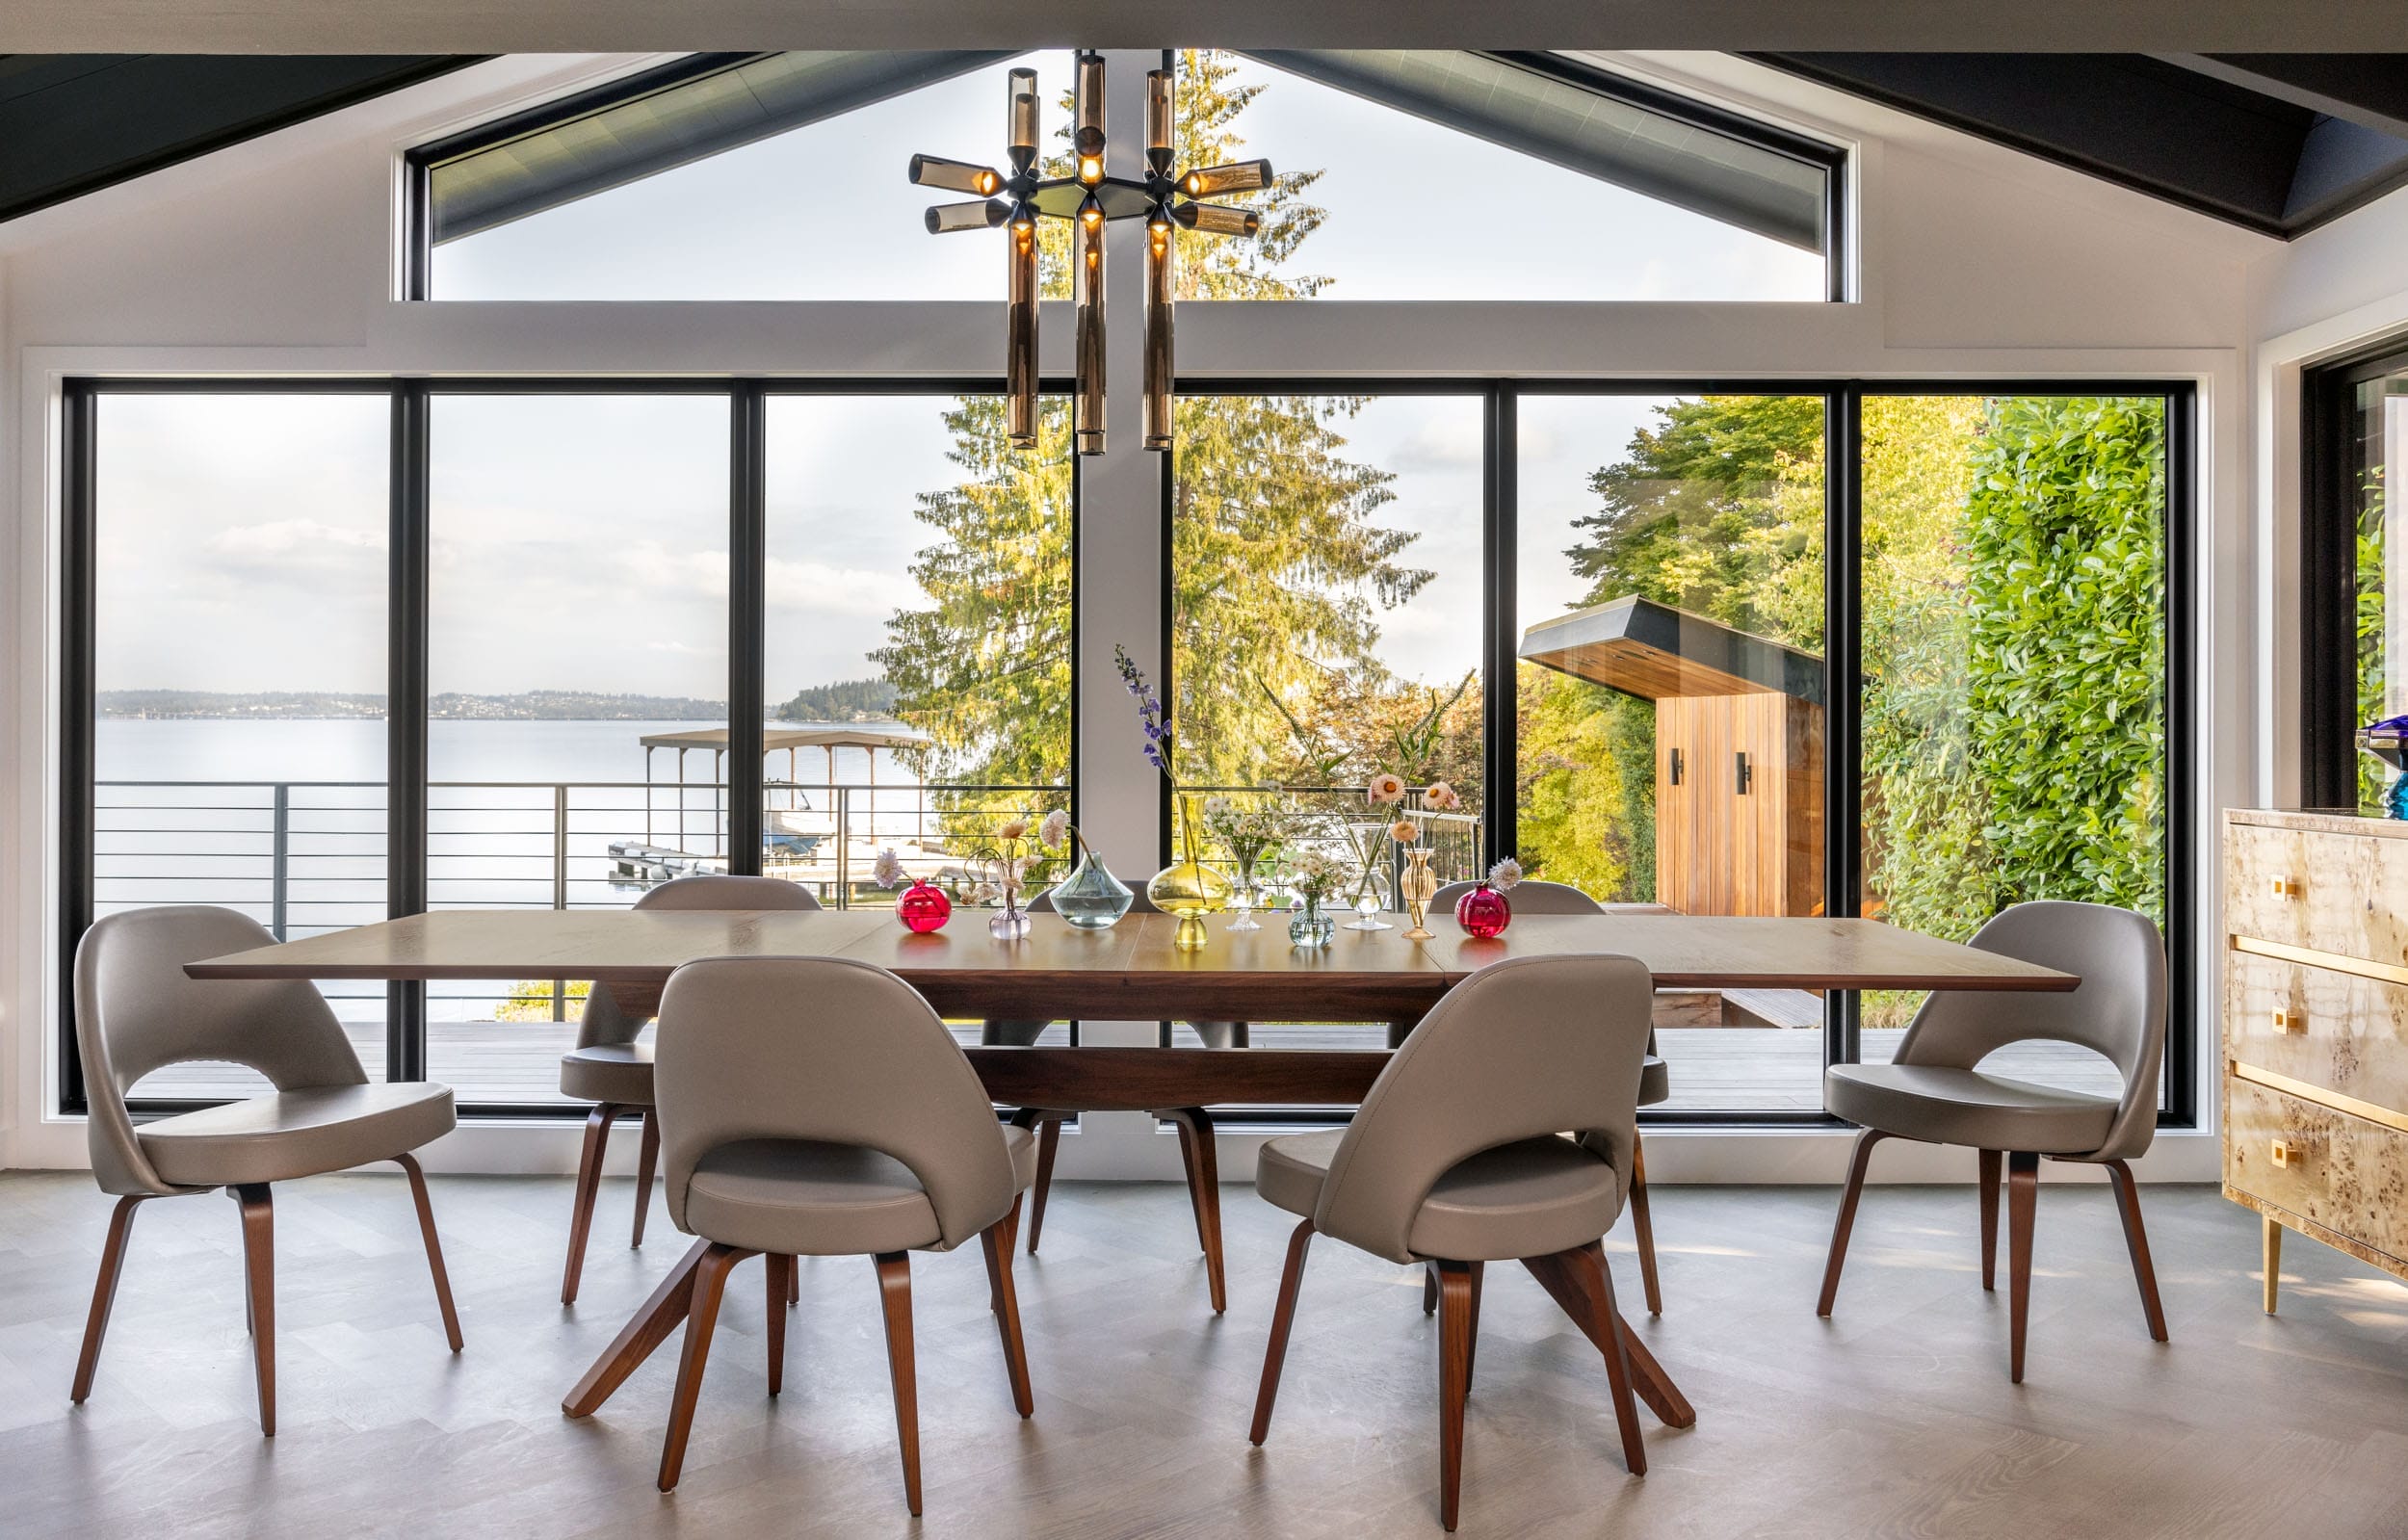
(1713, 1068)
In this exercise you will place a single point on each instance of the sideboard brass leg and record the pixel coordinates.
(2270, 1245)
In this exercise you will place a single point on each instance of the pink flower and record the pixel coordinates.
(1441, 798)
(1384, 788)
(1405, 831)
(1012, 829)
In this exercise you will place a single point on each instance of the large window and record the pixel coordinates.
(1661, 714)
(238, 640)
(2355, 661)
(1401, 175)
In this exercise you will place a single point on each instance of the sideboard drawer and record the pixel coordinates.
(2335, 1030)
(2332, 893)
(2344, 1172)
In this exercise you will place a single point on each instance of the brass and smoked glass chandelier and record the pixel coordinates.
(1090, 200)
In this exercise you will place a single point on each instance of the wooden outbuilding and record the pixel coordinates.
(1738, 750)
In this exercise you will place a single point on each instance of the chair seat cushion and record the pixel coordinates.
(1967, 1106)
(287, 1134)
(1524, 1199)
(809, 1198)
(1655, 1082)
(611, 1072)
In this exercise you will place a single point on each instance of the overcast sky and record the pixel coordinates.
(580, 543)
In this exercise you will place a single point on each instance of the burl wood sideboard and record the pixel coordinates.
(2315, 1031)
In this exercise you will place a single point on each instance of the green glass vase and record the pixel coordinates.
(1189, 888)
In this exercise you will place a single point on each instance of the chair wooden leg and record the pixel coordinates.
(259, 1269)
(794, 1280)
(1576, 1291)
(1048, 1144)
(1471, 1354)
(1644, 1227)
(781, 1280)
(1863, 1158)
(435, 1247)
(645, 1330)
(2136, 1241)
(894, 1283)
(1202, 1155)
(710, 1284)
(1991, 1162)
(1282, 1318)
(1454, 1382)
(1430, 1289)
(1589, 1265)
(2022, 1193)
(104, 1292)
(581, 1207)
(2270, 1255)
(996, 1242)
(647, 1159)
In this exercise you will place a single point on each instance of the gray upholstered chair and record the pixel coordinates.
(817, 1106)
(1655, 1081)
(137, 1011)
(1934, 1089)
(1197, 1154)
(611, 1070)
(1455, 1160)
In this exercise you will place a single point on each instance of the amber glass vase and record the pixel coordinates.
(1189, 888)
(1417, 885)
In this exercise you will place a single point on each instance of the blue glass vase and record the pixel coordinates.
(1090, 898)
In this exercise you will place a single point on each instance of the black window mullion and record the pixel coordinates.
(747, 604)
(1499, 687)
(78, 600)
(1843, 694)
(406, 713)
(2179, 1103)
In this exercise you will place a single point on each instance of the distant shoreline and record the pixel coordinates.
(539, 705)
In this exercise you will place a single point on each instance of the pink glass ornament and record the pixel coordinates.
(923, 908)
(1484, 912)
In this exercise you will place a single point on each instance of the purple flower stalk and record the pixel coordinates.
(1151, 718)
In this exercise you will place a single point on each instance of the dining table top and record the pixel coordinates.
(643, 947)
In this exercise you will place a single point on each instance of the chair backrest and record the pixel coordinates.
(1528, 896)
(137, 1011)
(604, 1023)
(1527, 1047)
(823, 1048)
(2119, 1011)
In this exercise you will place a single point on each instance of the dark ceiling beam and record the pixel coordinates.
(75, 124)
(615, 26)
(2126, 118)
(2368, 89)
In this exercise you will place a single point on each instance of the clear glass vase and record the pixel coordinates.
(1186, 887)
(1417, 886)
(1010, 923)
(1308, 926)
(1090, 898)
(1249, 896)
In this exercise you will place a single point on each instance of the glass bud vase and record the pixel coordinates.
(1010, 923)
(1417, 886)
(923, 908)
(1090, 898)
(1308, 926)
(1484, 912)
(1189, 888)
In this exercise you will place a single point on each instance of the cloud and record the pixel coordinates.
(284, 538)
(850, 592)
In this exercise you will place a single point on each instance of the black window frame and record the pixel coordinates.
(410, 454)
(1843, 401)
(2328, 572)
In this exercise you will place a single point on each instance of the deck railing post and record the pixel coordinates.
(843, 846)
(280, 848)
(560, 883)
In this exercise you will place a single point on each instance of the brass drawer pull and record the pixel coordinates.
(2288, 1154)
(2286, 888)
(2289, 1021)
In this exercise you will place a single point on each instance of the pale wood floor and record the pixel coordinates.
(1894, 1418)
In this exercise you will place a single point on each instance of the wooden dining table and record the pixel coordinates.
(1132, 972)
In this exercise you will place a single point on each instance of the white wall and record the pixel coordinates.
(279, 256)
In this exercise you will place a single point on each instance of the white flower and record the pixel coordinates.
(1385, 786)
(1057, 824)
(888, 869)
(1216, 806)
(1505, 873)
(1012, 828)
(1441, 798)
